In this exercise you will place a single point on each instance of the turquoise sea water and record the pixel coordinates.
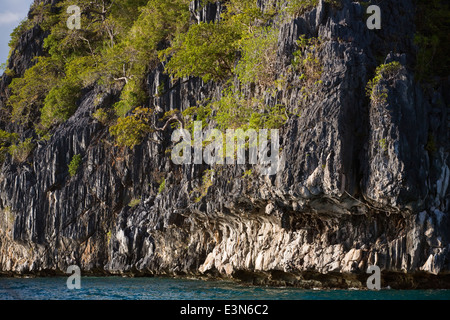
(113, 288)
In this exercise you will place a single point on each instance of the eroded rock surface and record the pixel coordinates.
(357, 186)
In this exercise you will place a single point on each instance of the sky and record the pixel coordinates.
(11, 13)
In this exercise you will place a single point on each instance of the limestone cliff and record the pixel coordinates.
(357, 185)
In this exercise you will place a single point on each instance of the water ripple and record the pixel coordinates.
(118, 288)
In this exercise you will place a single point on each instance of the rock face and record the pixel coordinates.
(357, 185)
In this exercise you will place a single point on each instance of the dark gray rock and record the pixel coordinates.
(342, 201)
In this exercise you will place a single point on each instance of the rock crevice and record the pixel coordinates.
(358, 186)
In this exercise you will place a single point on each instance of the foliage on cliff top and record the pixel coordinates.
(116, 45)
(121, 40)
(6, 140)
(22, 150)
(386, 72)
(239, 50)
(130, 130)
(207, 50)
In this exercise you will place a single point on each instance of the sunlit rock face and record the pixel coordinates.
(355, 186)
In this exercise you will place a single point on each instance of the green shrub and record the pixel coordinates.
(247, 173)
(18, 31)
(118, 43)
(271, 118)
(383, 144)
(259, 53)
(160, 90)
(306, 62)
(108, 236)
(60, 104)
(207, 181)
(21, 151)
(101, 116)
(6, 139)
(236, 111)
(132, 95)
(159, 20)
(74, 164)
(129, 131)
(162, 185)
(207, 50)
(3, 153)
(376, 93)
(134, 202)
(29, 92)
(296, 8)
(199, 113)
(61, 101)
(232, 110)
(10, 73)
